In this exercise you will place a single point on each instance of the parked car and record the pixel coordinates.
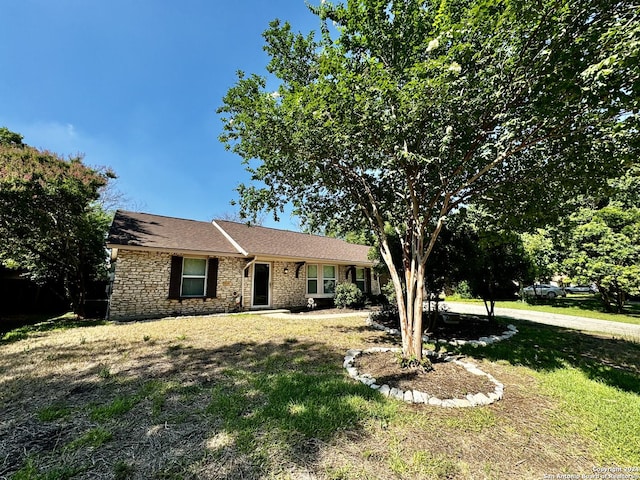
(581, 289)
(544, 290)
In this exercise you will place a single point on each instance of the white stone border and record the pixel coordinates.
(414, 396)
(481, 342)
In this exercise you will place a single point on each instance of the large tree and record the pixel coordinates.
(542, 252)
(489, 258)
(604, 248)
(401, 111)
(50, 223)
(602, 241)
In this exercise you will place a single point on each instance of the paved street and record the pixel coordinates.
(626, 330)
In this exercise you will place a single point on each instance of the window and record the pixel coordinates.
(321, 280)
(194, 277)
(360, 281)
(312, 279)
(329, 278)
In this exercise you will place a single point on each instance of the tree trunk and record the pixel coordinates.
(490, 304)
(410, 297)
(620, 299)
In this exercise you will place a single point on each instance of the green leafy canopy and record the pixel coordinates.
(401, 111)
(50, 223)
(439, 102)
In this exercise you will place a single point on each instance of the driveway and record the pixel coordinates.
(626, 330)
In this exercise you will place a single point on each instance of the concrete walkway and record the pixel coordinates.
(315, 316)
(626, 330)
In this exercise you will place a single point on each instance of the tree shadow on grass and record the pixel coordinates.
(17, 328)
(241, 410)
(615, 362)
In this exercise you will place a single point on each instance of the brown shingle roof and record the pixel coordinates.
(132, 229)
(263, 241)
(143, 230)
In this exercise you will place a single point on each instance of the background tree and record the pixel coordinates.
(542, 253)
(50, 223)
(403, 111)
(496, 269)
(490, 259)
(603, 243)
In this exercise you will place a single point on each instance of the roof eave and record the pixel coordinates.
(337, 261)
(183, 251)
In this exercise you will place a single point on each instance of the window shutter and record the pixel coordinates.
(367, 276)
(212, 278)
(176, 277)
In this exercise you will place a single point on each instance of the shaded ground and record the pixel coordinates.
(463, 327)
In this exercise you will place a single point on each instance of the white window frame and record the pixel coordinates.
(204, 277)
(320, 280)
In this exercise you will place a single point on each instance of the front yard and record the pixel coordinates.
(255, 397)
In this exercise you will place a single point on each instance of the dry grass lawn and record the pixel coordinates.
(259, 397)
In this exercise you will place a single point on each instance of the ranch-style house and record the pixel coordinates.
(166, 266)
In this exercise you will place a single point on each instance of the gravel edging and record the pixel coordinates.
(414, 396)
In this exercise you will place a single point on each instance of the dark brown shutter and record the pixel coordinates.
(367, 285)
(212, 278)
(176, 277)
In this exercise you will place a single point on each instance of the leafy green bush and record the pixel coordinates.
(348, 295)
(389, 291)
(463, 290)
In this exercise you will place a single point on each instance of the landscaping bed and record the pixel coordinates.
(445, 380)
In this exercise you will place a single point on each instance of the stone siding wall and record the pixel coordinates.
(141, 287)
(286, 290)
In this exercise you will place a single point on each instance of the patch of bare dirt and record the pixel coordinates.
(446, 380)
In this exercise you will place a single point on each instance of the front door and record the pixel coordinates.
(261, 282)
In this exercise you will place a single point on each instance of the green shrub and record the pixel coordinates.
(348, 295)
(389, 291)
(463, 290)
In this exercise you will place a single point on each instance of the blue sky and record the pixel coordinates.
(134, 85)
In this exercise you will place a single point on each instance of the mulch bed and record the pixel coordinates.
(446, 380)
(469, 328)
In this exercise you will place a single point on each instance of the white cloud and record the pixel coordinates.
(61, 138)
